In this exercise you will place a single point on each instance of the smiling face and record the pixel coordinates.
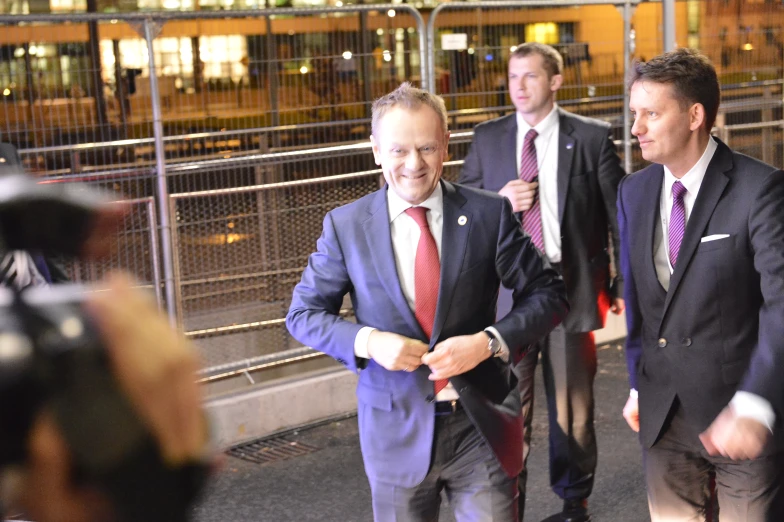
(668, 131)
(531, 88)
(410, 145)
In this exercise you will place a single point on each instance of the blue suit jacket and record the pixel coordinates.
(396, 409)
(720, 327)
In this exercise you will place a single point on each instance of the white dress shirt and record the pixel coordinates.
(405, 237)
(692, 180)
(546, 143)
(744, 404)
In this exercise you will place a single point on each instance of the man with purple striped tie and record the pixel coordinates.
(561, 174)
(702, 237)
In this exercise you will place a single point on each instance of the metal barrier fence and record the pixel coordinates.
(232, 163)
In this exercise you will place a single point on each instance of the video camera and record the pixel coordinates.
(52, 356)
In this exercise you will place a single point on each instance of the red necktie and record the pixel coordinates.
(427, 274)
(529, 171)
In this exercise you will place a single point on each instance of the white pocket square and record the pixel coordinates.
(713, 237)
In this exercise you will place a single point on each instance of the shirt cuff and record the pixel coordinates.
(633, 394)
(361, 342)
(503, 353)
(751, 406)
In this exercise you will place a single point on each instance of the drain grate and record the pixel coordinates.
(271, 450)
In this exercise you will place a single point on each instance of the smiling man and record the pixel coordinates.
(702, 236)
(422, 260)
(561, 173)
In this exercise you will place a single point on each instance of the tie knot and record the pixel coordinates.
(419, 214)
(678, 190)
(531, 135)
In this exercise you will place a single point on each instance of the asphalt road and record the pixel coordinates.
(329, 483)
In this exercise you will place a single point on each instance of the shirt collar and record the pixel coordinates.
(435, 203)
(543, 127)
(692, 180)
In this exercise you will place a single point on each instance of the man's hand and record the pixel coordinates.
(631, 412)
(155, 367)
(396, 352)
(521, 193)
(457, 355)
(617, 306)
(738, 438)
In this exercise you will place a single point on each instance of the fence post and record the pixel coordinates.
(767, 132)
(628, 43)
(160, 169)
(272, 75)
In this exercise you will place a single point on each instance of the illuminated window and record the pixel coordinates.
(545, 33)
(67, 5)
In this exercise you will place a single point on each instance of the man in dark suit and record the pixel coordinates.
(561, 172)
(422, 260)
(702, 237)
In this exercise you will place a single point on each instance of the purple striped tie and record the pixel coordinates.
(529, 171)
(677, 221)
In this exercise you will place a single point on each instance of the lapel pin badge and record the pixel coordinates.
(569, 146)
(462, 220)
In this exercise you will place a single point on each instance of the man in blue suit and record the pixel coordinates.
(702, 237)
(422, 260)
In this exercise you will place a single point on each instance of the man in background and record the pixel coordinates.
(561, 174)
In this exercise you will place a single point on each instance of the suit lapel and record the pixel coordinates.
(454, 240)
(379, 238)
(712, 188)
(508, 149)
(651, 216)
(566, 147)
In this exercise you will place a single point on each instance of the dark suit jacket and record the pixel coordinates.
(588, 175)
(720, 327)
(396, 410)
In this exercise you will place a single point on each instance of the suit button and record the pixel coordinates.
(662, 342)
(686, 341)
(341, 361)
(430, 398)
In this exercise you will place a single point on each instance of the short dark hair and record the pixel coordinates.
(410, 97)
(692, 76)
(552, 60)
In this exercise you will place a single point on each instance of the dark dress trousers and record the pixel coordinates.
(588, 174)
(482, 246)
(718, 329)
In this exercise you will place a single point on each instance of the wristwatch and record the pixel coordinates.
(493, 344)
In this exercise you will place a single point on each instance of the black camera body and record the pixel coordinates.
(51, 356)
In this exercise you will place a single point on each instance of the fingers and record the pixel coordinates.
(631, 413)
(395, 352)
(633, 421)
(520, 193)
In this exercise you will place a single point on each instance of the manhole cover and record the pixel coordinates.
(272, 450)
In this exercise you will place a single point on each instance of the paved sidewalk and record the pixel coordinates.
(330, 485)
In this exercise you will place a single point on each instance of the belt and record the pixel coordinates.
(448, 407)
